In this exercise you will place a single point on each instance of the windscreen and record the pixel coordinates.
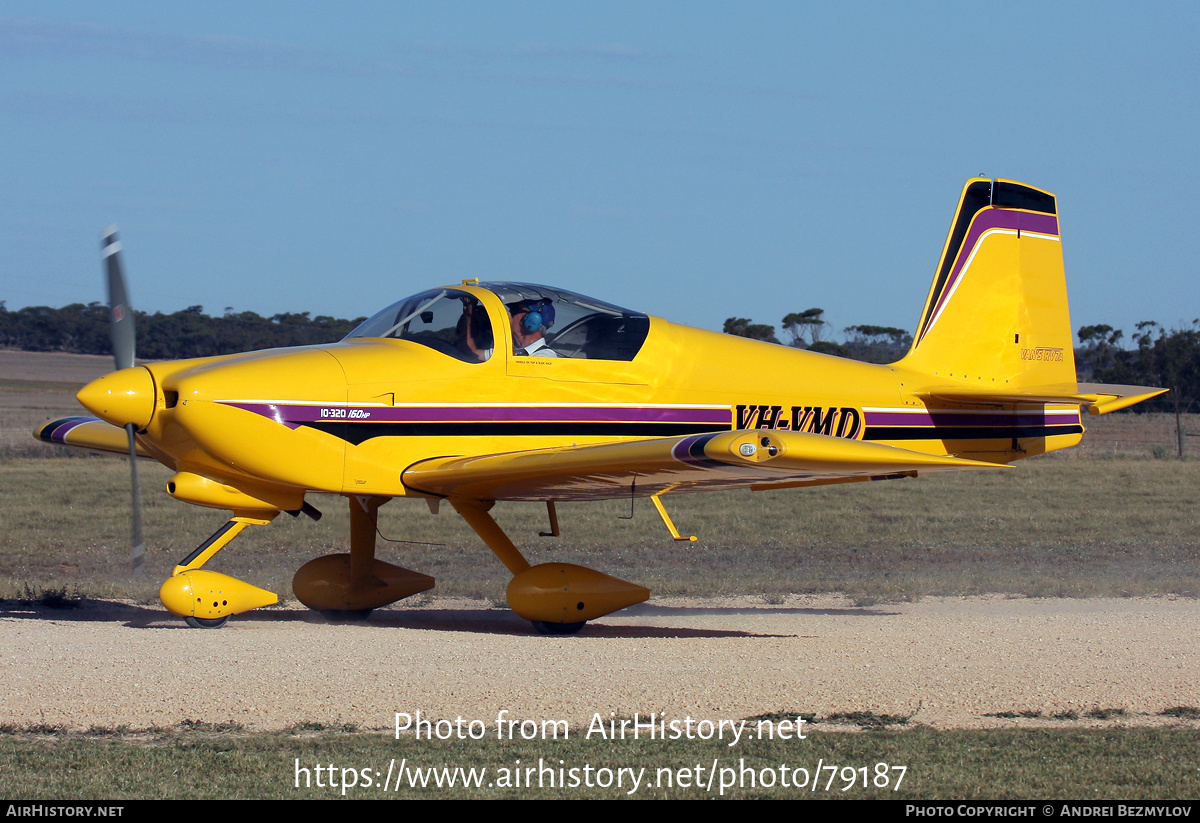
(447, 320)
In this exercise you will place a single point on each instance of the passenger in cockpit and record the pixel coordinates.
(473, 335)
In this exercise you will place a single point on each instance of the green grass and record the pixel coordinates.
(190, 762)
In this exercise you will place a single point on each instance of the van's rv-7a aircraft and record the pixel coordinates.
(443, 396)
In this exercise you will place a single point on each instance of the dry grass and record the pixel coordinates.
(1046, 528)
(40, 386)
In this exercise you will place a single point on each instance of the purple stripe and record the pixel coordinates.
(993, 218)
(960, 419)
(682, 451)
(294, 414)
(59, 435)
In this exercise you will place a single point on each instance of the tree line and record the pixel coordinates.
(84, 329)
(1159, 357)
(809, 330)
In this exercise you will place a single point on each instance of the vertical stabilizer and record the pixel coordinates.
(996, 315)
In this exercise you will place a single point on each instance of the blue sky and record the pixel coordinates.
(692, 160)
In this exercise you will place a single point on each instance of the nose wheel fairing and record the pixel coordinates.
(202, 595)
(207, 598)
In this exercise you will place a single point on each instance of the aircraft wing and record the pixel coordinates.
(87, 433)
(756, 458)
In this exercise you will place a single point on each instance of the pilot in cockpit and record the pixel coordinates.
(530, 320)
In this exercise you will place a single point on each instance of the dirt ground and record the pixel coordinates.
(946, 662)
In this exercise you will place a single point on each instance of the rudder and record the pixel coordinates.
(996, 315)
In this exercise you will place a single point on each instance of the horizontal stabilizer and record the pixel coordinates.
(1105, 398)
(1100, 398)
(87, 433)
(721, 460)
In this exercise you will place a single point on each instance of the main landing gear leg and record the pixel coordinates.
(557, 598)
(346, 587)
(205, 599)
(364, 523)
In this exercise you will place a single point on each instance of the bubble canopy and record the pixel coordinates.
(452, 321)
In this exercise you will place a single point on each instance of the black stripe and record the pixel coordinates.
(212, 539)
(47, 434)
(1015, 196)
(696, 449)
(357, 433)
(977, 197)
(965, 432)
(696, 455)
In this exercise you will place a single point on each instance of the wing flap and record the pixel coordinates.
(723, 460)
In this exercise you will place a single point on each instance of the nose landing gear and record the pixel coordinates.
(206, 599)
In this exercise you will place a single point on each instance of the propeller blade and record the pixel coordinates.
(137, 554)
(124, 353)
(121, 313)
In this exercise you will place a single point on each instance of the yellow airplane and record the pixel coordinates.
(482, 392)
